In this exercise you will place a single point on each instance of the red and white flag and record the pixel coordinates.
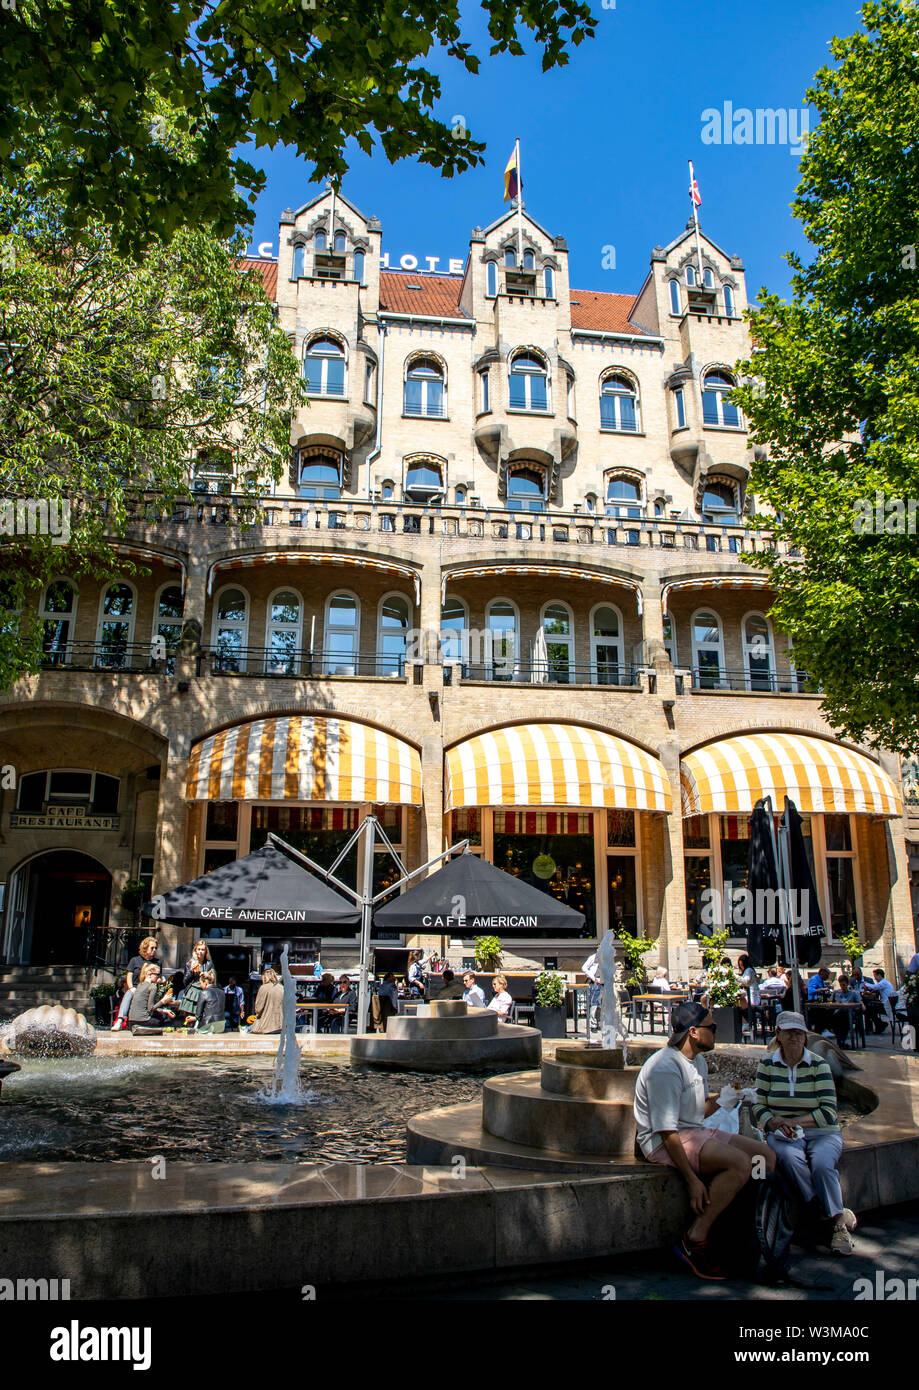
(694, 188)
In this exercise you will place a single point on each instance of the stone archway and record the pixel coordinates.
(54, 900)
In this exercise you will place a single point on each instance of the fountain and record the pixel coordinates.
(446, 1036)
(611, 1028)
(50, 1031)
(284, 1087)
(7, 1069)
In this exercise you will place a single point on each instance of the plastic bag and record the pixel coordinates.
(726, 1120)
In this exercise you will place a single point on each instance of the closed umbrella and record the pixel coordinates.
(804, 907)
(764, 928)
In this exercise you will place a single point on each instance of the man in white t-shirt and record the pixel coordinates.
(773, 985)
(671, 1101)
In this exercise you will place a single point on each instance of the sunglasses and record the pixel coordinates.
(712, 1027)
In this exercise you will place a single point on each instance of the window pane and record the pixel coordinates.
(838, 835)
(608, 412)
(627, 412)
(231, 606)
(285, 608)
(170, 605)
(105, 795)
(710, 407)
(342, 611)
(119, 601)
(623, 901)
(59, 598)
(696, 833)
(606, 623)
(556, 621)
(335, 377)
(620, 827)
(313, 373)
(680, 409)
(731, 413)
(538, 396)
(517, 391)
(842, 895)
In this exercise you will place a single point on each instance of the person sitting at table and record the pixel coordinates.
(269, 1004)
(473, 994)
(346, 995)
(144, 1010)
(659, 982)
(856, 978)
(388, 999)
(210, 1010)
(500, 1001)
(453, 988)
(796, 1108)
(841, 1020)
(773, 985)
(671, 1102)
(817, 984)
(880, 1000)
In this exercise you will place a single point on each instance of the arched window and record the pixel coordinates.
(529, 260)
(759, 653)
(283, 628)
(424, 481)
(623, 498)
(461, 494)
(340, 244)
(502, 645)
(58, 615)
(319, 475)
(529, 383)
(394, 621)
(319, 241)
(212, 474)
(590, 501)
(690, 275)
(359, 267)
(549, 275)
(324, 368)
(719, 501)
(618, 404)
(484, 391)
(606, 664)
(425, 393)
(558, 630)
(387, 490)
(116, 626)
(707, 651)
(729, 301)
(674, 296)
(716, 408)
(709, 278)
(167, 625)
(342, 632)
(526, 490)
(510, 258)
(491, 279)
(454, 627)
(299, 262)
(658, 507)
(670, 638)
(231, 629)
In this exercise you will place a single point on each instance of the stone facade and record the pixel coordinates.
(603, 470)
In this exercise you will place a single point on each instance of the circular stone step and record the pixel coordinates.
(517, 1109)
(514, 1046)
(592, 1083)
(484, 1025)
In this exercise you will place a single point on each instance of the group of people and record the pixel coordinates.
(147, 1000)
(795, 1110)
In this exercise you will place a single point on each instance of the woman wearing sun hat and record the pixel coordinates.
(796, 1109)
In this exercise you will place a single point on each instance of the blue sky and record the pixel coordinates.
(605, 141)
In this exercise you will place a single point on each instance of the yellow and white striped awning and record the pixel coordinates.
(150, 557)
(817, 775)
(304, 757)
(553, 765)
(545, 572)
(312, 557)
(718, 581)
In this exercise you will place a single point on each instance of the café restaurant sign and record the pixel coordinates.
(63, 818)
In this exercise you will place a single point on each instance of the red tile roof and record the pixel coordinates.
(437, 295)
(598, 310)
(268, 270)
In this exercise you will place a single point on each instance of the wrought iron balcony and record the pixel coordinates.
(298, 663)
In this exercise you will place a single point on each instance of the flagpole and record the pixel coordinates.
(519, 206)
(332, 221)
(695, 218)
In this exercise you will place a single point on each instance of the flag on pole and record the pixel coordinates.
(512, 182)
(694, 188)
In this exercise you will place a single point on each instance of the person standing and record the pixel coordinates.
(416, 974)
(269, 1004)
(234, 1005)
(671, 1102)
(796, 1108)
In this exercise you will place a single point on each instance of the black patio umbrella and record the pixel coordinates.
(807, 922)
(470, 895)
(264, 889)
(764, 932)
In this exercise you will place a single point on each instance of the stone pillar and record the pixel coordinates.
(672, 947)
(653, 629)
(169, 855)
(899, 938)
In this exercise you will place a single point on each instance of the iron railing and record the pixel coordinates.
(759, 682)
(109, 656)
(299, 662)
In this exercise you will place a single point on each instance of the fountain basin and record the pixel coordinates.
(451, 1036)
(50, 1031)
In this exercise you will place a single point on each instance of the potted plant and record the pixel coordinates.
(723, 988)
(549, 1001)
(488, 952)
(909, 993)
(133, 894)
(101, 995)
(633, 948)
(853, 945)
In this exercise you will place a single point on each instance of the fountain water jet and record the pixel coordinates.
(611, 1028)
(284, 1087)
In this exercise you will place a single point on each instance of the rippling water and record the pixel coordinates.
(208, 1109)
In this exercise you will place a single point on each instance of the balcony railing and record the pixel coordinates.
(541, 672)
(109, 656)
(759, 682)
(299, 663)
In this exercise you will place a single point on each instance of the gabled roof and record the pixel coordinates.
(603, 312)
(436, 296)
(690, 232)
(512, 212)
(268, 270)
(339, 198)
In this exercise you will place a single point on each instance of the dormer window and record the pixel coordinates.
(340, 244)
(709, 278)
(510, 258)
(529, 260)
(690, 275)
(319, 242)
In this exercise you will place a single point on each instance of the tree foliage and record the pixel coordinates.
(833, 390)
(115, 376)
(310, 74)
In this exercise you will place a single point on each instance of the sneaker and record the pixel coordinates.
(842, 1243)
(850, 1219)
(694, 1254)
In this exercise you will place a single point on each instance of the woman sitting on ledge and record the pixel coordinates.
(144, 1010)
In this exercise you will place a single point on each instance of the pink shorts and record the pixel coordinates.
(693, 1141)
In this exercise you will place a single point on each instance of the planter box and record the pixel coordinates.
(730, 1024)
(550, 1021)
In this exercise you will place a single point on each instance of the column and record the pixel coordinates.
(672, 947)
(653, 631)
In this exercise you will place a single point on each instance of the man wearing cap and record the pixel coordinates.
(671, 1101)
(796, 1108)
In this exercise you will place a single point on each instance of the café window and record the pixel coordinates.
(554, 852)
(68, 787)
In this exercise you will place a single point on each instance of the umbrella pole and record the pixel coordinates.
(368, 830)
(785, 875)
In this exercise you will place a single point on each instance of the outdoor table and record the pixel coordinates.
(312, 1010)
(657, 998)
(858, 1017)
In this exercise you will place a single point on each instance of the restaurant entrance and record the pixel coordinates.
(54, 900)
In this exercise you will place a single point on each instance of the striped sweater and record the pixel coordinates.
(788, 1094)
